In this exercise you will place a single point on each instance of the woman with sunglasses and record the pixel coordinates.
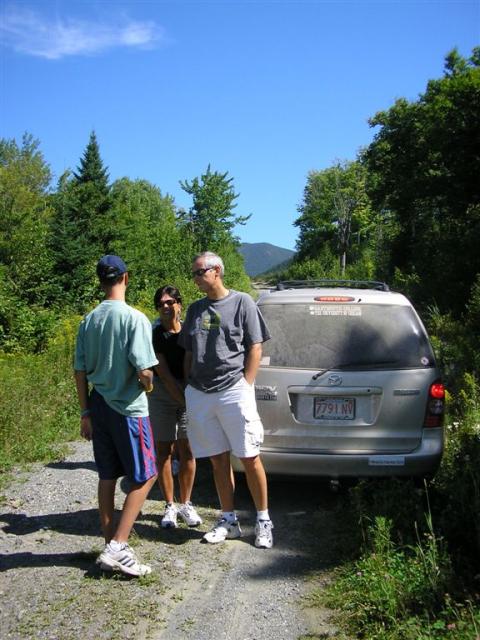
(167, 410)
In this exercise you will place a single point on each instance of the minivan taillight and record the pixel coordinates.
(435, 405)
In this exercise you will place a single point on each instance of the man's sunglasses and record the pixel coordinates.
(201, 272)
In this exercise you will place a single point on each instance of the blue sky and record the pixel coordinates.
(266, 90)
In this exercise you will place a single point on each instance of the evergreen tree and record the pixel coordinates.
(83, 228)
(93, 205)
(91, 169)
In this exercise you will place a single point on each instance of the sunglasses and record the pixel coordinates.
(201, 272)
(170, 303)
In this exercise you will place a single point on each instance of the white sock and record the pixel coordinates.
(229, 516)
(116, 546)
(263, 515)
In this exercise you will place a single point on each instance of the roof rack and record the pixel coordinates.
(349, 284)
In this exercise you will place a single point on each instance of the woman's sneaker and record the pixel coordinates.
(223, 530)
(123, 560)
(189, 514)
(169, 520)
(263, 534)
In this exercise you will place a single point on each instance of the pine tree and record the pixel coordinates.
(83, 229)
(91, 169)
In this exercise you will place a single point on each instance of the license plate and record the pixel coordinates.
(334, 408)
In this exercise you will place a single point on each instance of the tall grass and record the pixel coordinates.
(394, 593)
(416, 573)
(38, 405)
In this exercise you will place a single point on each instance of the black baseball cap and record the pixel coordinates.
(109, 268)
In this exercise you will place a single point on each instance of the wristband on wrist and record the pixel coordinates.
(85, 413)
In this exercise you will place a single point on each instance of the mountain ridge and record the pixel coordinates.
(260, 257)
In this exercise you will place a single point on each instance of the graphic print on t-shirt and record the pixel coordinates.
(210, 320)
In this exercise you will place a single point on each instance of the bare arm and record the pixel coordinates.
(252, 362)
(82, 392)
(146, 379)
(171, 384)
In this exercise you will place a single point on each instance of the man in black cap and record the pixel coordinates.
(114, 356)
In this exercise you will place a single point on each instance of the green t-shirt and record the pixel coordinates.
(114, 342)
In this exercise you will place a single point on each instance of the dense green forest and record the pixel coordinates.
(406, 210)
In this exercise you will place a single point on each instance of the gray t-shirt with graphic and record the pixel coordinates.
(219, 334)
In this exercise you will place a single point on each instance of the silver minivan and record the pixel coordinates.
(348, 385)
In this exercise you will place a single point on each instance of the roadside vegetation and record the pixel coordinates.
(405, 211)
(411, 568)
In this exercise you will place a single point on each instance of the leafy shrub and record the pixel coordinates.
(23, 327)
(38, 405)
(400, 593)
(311, 269)
(456, 487)
(456, 344)
(417, 575)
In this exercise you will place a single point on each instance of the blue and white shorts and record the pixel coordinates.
(122, 445)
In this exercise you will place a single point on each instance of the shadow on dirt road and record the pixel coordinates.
(51, 588)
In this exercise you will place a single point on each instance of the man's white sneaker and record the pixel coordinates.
(169, 520)
(123, 560)
(223, 530)
(263, 534)
(189, 514)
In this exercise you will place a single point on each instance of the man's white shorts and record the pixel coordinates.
(224, 421)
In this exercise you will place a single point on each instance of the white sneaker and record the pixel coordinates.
(223, 530)
(123, 560)
(169, 520)
(263, 534)
(189, 514)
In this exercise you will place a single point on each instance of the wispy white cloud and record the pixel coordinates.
(27, 32)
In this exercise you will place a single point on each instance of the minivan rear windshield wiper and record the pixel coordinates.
(355, 365)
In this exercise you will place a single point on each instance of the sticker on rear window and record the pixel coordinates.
(334, 310)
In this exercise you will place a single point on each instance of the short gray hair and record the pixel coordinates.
(211, 260)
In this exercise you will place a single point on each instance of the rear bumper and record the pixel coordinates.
(424, 461)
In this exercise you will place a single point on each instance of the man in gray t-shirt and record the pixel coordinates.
(222, 336)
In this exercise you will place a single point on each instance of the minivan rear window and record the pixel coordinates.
(316, 336)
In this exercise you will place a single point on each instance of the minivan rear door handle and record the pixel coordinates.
(335, 391)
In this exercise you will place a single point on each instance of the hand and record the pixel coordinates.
(86, 427)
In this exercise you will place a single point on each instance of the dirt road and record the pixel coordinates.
(51, 588)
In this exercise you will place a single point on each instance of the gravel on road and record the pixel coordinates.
(51, 588)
